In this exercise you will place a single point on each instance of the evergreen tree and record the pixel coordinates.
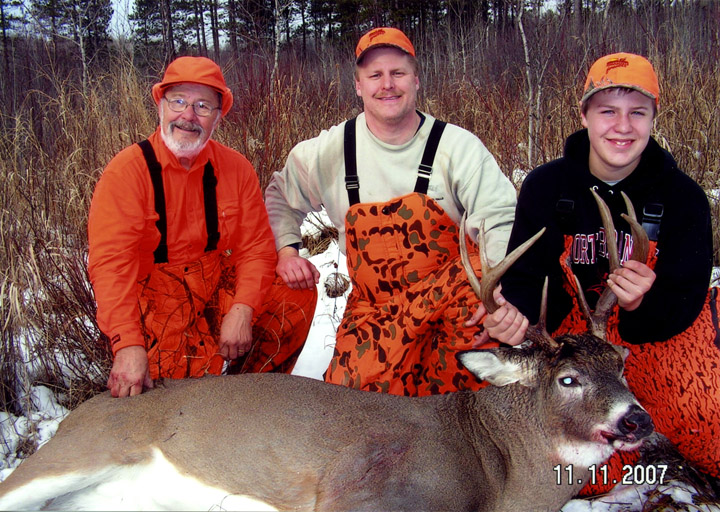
(84, 24)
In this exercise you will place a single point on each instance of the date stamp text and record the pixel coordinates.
(650, 474)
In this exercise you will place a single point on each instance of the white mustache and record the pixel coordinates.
(187, 126)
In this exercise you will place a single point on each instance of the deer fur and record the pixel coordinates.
(268, 441)
(301, 444)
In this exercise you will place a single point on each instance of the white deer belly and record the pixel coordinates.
(156, 485)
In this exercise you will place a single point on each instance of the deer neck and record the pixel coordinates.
(518, 431)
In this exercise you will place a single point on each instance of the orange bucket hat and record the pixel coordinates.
(383, 36)
(622, 70)
(197, 70)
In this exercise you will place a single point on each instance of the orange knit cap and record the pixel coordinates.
(197, 70)
(383, 36)
(622, 70)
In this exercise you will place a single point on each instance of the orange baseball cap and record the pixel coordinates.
(197, 70)
(383, 36)
(622, 70)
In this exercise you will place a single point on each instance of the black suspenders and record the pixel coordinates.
(651, 217)
(211, 210)
(351, 179)
(209, 197)
(424, 171)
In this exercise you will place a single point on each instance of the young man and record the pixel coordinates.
(181, 252)
(664, 309)
(395, 182)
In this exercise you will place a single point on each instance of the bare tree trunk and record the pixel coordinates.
(530, 89)
(200, 40)
(303, 26)
(79, 28)
(232, 28)
(5, 45)
(608, 6)
(577, 11)
(201, 23)
(215, 28)
(278, 8)
(168, 38)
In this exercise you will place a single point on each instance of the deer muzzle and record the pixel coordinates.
(632, 427)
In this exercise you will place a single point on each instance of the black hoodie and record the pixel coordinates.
(557, 195)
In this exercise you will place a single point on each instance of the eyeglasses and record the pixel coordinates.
(200, 108)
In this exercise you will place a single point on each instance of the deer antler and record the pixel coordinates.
(491, 277)
(598, 319)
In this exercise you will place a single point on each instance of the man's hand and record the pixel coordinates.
(236, 332)
(296, 271)
(506, 325)
(129, 375)
(630, 283)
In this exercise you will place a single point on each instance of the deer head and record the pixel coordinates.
(579, 376)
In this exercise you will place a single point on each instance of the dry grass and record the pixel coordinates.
(56, 141)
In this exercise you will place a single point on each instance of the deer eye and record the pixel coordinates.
(568, 382)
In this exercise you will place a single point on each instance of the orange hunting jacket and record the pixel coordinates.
(122, 233)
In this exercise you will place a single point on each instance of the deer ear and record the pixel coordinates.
(492, 365)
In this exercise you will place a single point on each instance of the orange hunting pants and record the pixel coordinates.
(677, 381)
(182, 308)
(403, 323)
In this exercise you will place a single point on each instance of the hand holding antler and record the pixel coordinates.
(598, 319)
(506, 325)
(630, 283)
(503, 322)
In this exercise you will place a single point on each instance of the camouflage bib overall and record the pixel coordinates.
(403, 323)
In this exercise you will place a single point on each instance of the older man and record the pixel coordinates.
(395, 182)
(182, 259)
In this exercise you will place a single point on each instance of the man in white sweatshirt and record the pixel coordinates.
(395, 182)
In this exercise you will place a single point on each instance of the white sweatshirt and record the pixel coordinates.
(465, 178)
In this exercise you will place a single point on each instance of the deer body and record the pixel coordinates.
(289, 443)
(294, 443)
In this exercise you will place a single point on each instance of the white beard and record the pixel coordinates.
(184, 149)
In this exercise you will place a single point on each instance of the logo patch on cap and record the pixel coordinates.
(616, 63)
(375, 33)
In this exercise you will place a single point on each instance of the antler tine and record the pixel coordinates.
(607, 300)
(538, 332)
(609, 231)
(598, 319)
(490, 275)
(641, 243)
(472, 277)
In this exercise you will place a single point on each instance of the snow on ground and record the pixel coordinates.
(318, 350)
(42, 421)
(44, 415)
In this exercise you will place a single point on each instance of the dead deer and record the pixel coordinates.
(268, 441)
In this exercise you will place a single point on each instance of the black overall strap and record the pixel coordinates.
(425, 169)
(652, 215)
(209, 198)
(211, 210)
(565, 215)
(352, 185)
(161, 253)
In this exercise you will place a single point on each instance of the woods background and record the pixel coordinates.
(73, 93)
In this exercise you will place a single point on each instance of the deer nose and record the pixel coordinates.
(637, 422)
